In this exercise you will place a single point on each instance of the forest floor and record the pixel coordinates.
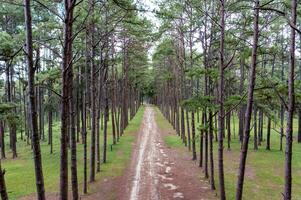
(150, 137)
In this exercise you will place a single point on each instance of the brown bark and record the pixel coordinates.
(2, 141)
(287, 193)
(93, 93)
(67, 78)
(33, 111)
(193, 136)
(212, 182)
(248, 114)
(221, 112)
(3, 191)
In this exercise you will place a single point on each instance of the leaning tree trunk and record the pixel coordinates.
(248, 114)
(33, 111)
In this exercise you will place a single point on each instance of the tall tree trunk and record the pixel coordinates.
(248, 114)
(93, 92)
(33, 112)
(67, 75)
(221, 112)
(287, 193)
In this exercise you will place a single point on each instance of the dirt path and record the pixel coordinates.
(157, 172)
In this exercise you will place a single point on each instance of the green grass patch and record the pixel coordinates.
(171, 140)
(20, 178)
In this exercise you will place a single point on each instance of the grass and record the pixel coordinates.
(264, 177)
(20, 179)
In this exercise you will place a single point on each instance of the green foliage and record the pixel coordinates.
(199, 102)
(7, 45)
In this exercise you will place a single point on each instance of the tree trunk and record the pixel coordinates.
(93, 92)
(3, 191)
(221, 112)
(202, 143)
(106, 116)
(255, 129)
(2, 141)
(74, 179)
(229, 130)
(33, 111)
(299, 125)
(212, 182)
(67, 76)
(268, 134)
(50, 122)
(188, 130)
(287, 193)
(84, 134)
(206, 147)
(248, 114)
(193, 136)
(281, 126)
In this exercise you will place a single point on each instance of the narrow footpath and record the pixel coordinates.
(160, 173)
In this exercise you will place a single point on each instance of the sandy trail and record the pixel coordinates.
(145, 182)
(159, 173)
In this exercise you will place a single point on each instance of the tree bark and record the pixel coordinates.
(67, 76)
(221, 112)
(193, 136)
(212, 182)
(3, 191)
(33, 111)
(268, 147)
(2, 141)
(248, 114)
(287, 193)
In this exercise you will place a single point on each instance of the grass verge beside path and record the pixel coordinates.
(20, 178)
(264, 177)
